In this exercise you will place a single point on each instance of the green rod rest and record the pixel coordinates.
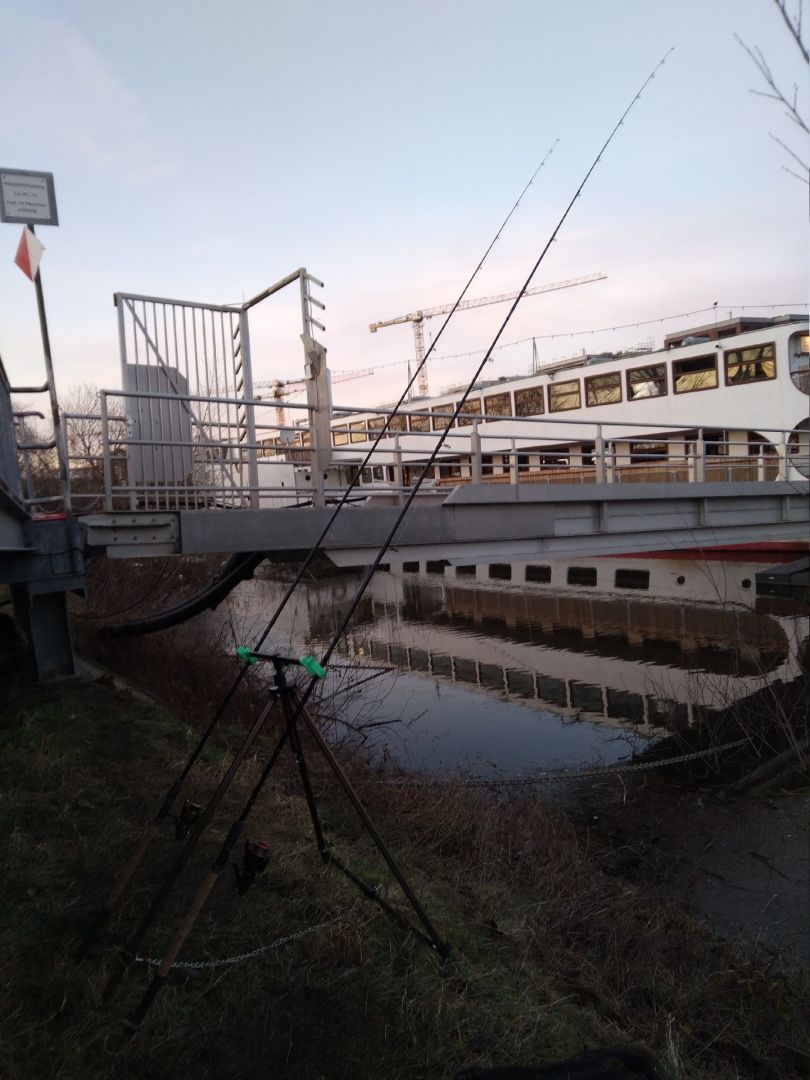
(312, 666)
(244, 653)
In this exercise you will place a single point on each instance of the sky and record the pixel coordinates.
(203, 151)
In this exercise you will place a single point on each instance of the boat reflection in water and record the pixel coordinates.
(544, 664)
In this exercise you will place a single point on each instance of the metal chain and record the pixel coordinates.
(229, 961)
(576, 774)
(569, 774)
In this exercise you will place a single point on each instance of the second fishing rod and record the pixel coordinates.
(303, 698)
(190, 809)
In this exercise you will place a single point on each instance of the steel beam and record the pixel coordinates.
(479, 521)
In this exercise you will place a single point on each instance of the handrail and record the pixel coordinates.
(189, 471)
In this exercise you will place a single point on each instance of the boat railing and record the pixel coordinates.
(140, 451)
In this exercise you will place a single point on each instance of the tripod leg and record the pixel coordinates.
(436, 942)
(298, 754)
(187, 850)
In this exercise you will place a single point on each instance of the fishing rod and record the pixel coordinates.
(460, 404)
(301, 710)
(164, 810)
(251, 864)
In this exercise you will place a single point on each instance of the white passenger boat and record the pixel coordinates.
(725, 401)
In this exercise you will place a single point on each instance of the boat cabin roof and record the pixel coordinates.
(726, 328)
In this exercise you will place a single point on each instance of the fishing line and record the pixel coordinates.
(460, 404)
(403, 398)
(174, 791)
(299, 708)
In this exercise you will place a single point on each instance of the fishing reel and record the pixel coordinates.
(255, 858)
(186, 819)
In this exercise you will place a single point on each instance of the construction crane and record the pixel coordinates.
(283, 388)
(418, 317)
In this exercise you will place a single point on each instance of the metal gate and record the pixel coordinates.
(185, 371)
(188, 398)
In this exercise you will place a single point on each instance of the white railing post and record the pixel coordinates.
(700, 458)
(610, 462)
(399, 479)
(782, 458)
(475, 455)
(599, 455)
(513, 464)
(105, 450)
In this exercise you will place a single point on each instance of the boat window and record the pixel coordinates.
(410, 568)
(699, 373)
(538, 573)
(799, 349)
(376, 424)
(435, 566)
(398, 423)
(750, 365)
(581, 575)
(647, 382)
(438, 413)
(641, 452)
(340, 436)
(563, 396)
(500, 571)
(447, 472)
(529, 402)
(358, 431)
(632, 579)
(603, 389)
(467, 570)
(799, 447)
(470, 408)
(419, 423)
(377, 473)
(365, 476)
(486, 464)
(498, 405)
(759, 446)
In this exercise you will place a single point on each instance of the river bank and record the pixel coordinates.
(552, 949)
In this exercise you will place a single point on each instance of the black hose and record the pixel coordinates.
(238, 568)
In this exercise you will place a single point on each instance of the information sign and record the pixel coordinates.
(27, 198)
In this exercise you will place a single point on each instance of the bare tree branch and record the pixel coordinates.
(790, 172)
(774, 93)
(788, 150)
(795, 27)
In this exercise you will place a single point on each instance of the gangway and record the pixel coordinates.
(189, 461)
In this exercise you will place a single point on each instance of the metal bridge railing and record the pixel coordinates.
(182, 467)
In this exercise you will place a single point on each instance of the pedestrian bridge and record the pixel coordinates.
(479, 522)
(187, 458)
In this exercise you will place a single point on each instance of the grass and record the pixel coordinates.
(549, 954)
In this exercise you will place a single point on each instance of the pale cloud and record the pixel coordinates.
(67, 97)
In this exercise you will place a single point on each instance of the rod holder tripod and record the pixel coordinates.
(256, 853)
